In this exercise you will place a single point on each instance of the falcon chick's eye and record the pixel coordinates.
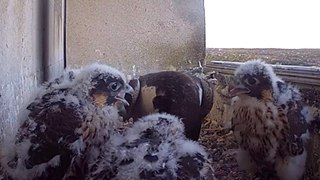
(251, 81)
(114, 86)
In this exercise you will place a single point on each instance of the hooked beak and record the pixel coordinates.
(121, 102)
(132, 91)
(129, 89)
(238, 90)
(120, 105)
(121, 96)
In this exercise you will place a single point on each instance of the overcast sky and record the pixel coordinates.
(262, 23)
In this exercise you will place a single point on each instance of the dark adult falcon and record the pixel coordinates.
(66, 124)
(270, 123)
(155, 147)
(177, 93)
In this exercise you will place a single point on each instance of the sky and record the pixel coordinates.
(262, 23)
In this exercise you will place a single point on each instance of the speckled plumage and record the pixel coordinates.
(155, 147)
(66, 125)
(268, 123)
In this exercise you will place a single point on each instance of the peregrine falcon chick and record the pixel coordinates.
(268, 123)
(155, 147)
(66, 123)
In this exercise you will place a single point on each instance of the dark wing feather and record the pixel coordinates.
(175, 93)
(298, 126)
(189, 166)
(51, 129)
(207, 96)
(297, 121)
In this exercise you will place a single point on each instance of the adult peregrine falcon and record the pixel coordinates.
(181, 94)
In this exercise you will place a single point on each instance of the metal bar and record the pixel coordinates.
(64, 2)
(306, 76)
(43, 16)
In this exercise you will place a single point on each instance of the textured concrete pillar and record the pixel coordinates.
(23, 56)
(150, 34)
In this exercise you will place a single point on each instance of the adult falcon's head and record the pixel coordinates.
(254, 78)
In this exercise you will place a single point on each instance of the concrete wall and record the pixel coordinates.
(23, 52)
(150, 34)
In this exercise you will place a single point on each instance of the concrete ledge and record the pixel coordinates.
(300, 75)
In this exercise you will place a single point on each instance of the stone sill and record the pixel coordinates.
(301, 75)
